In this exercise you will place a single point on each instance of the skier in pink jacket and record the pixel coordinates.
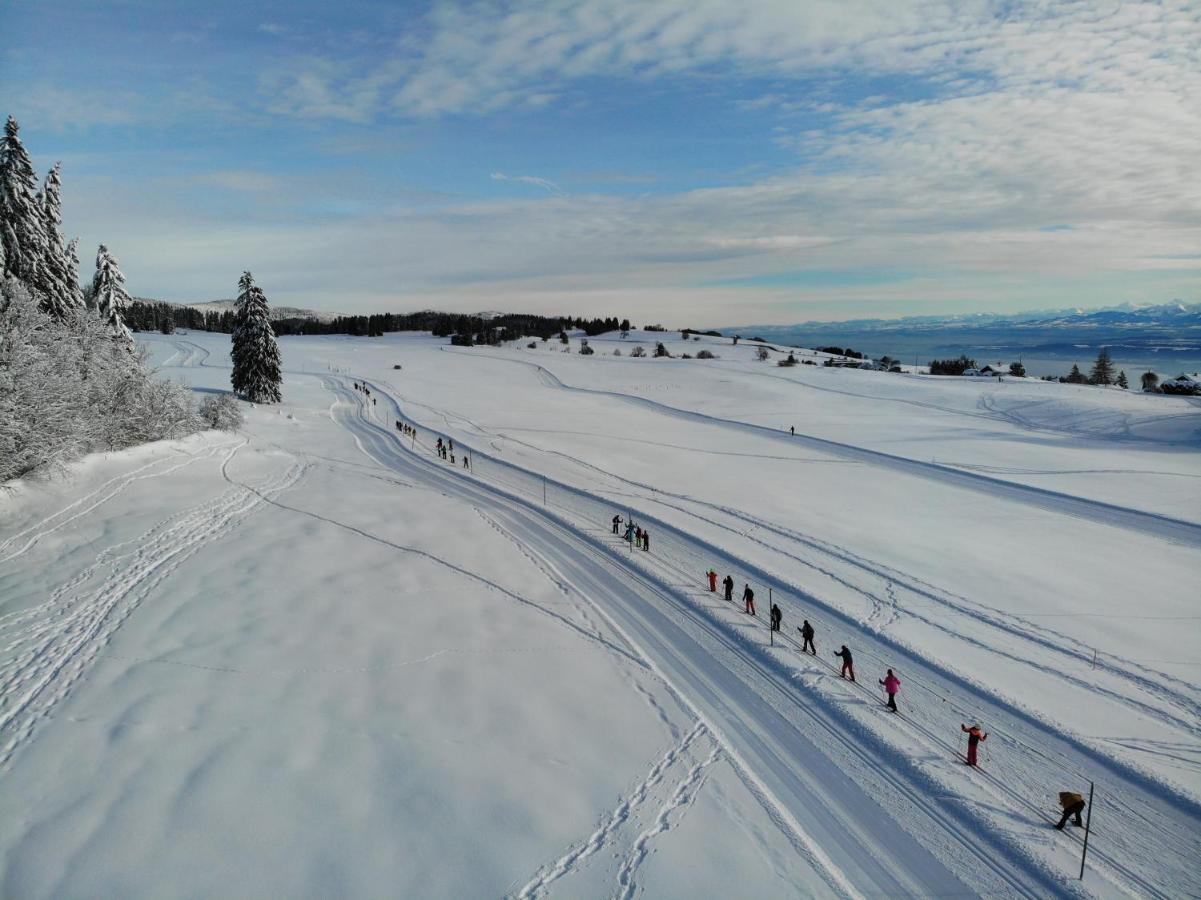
(892, 684)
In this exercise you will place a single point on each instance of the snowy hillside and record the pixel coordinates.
(313, 658)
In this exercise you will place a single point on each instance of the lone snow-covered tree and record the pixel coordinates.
(255, 353)
(60, 279)
(1102, 369)
(108, 294)
(22, 224)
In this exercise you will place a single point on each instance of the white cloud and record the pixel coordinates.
(545, 183)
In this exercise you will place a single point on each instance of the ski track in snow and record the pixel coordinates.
(96, 498)
(1049, 650)
(46, 655)
(1154, 524)
(1011, 795)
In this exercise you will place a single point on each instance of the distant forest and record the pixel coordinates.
(144, 315)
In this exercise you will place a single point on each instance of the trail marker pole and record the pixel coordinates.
(771, 626)
(544, 492)
(1094, 657)
(1088, 824)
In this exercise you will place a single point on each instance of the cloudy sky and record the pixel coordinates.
(688, 161)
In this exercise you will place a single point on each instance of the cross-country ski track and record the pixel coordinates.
(1165, 527)
(796, 741)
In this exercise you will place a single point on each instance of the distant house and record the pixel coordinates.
(1188, 384)
(971, 373)
(996, 370)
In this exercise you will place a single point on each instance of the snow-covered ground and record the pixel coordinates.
(311, 659)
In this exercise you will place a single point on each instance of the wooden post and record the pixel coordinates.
(1094, 657)
(1088, 824)
(771, 626)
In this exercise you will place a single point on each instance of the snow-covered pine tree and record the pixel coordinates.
(108, 294)
(22, 225)
(60, 279)
(255, 353)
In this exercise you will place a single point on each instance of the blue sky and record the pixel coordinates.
(680, 161)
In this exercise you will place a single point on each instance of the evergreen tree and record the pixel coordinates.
(1150, 381)
(1122, 382)
(255, 353)
(1075, 376)
(1102, 369)
(22, 224)
(108, 293)
(60, 278)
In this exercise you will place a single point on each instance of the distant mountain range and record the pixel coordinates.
(1180, 319)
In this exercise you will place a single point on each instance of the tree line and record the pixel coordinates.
(156, 315)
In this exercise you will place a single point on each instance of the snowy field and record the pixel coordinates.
(310, 659)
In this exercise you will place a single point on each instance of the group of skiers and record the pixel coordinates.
(365, 391)
(635, 535)
(446, 450)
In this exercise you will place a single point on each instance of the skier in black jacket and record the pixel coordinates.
(848, 664)
(729, 585)
(777, 616)
(806, 631)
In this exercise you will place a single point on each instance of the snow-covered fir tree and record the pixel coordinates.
(255, 353)
(108, 294)
(22, 222)
(60, 280)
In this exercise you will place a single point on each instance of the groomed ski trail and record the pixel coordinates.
(833, 786)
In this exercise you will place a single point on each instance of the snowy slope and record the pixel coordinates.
(314, 642)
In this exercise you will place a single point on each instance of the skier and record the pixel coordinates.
(974, 737)
(638, 535)
(777, 616)
(373, 401)
(466, 465)
(848, 664)
(451, 445)
(616, 524)
(629, 532)
(891, 684)
(1073, 805)
(748, 598)
(792, 430)
(729, 585)
(646, 540)
(712, 580)
(806, 631)
(452, 459)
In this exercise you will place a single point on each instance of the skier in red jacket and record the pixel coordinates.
(974, 737)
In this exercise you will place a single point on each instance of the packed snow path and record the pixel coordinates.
(1159, 834)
